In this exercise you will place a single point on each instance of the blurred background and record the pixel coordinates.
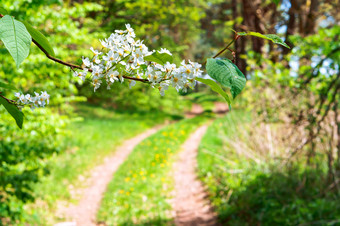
(273, 160)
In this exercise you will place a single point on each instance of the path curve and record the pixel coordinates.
(191, 204)
(84, 213)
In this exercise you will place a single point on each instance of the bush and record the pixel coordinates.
(22, 155)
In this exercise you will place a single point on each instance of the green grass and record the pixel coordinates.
(90, 141)
(139, 190)
(244, 192)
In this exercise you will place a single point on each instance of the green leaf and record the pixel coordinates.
(215, 87)
(242, 33)
(3, 11)
(276, 2)
(160, 58)
(226, 73)
(272, 37)
(6, 86)
(39, 38)
(13, 111)
(16, 38)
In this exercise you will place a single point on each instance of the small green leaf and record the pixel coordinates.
(272, 37)
(160, 58)
(276, 2)
(242, 33)
(3, 11)
(13, 111)
(215, 87)
(7, 86)
(144, 67)
(226, 73)
(39, 38)
(16, 38)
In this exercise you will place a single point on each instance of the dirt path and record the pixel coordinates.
(190, 202)
(84, 213)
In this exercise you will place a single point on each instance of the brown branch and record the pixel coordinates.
(227, 47)
(72, 66)
(8, 100)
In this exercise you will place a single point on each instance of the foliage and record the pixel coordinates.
(16, 38)
(22, 153)
(227, 74)
(298, 89)
(13, 111)
(160, 58)
(139, 190)
(215, 88)
(246, 191)
(271, 37)
(124, 58)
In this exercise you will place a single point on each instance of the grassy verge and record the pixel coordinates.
(140, 189)
(249, 188)
(90, 141)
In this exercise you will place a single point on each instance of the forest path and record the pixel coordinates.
(85, 211)
(190, 202)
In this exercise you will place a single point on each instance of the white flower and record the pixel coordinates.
(111, 56)
(132, 83)
(80, 74)
(113, 76)
(162, 87)
(96, 82)
(122, 54)
(95, 52)
(28, 98)
(130, 30)
(86, 62)
(45, 96)
(168, 67)
(97, 71)
(22, 99)
(164, 50)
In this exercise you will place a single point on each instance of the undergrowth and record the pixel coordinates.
(248, 186)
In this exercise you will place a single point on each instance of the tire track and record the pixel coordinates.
(84, 213)
(190, 203)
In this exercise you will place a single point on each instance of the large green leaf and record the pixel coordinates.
(4, 85)
(13, 111)
(15, 37)
(39, 38)
(215, 87)
(3, 11)
(272, 37)
(226, 73)
(160, 58)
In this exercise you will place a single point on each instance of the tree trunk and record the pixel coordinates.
(311, 17)
(239, 44)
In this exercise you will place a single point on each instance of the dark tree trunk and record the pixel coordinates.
(252, 23)
(291, 23)
(239, 44)
(311, 17)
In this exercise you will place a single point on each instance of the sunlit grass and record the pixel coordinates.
(249, 185)
(140, 190)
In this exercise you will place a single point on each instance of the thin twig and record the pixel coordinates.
(227, 47)
(8, 100)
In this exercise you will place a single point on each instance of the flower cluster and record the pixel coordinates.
(34, 101)
(123, 57)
